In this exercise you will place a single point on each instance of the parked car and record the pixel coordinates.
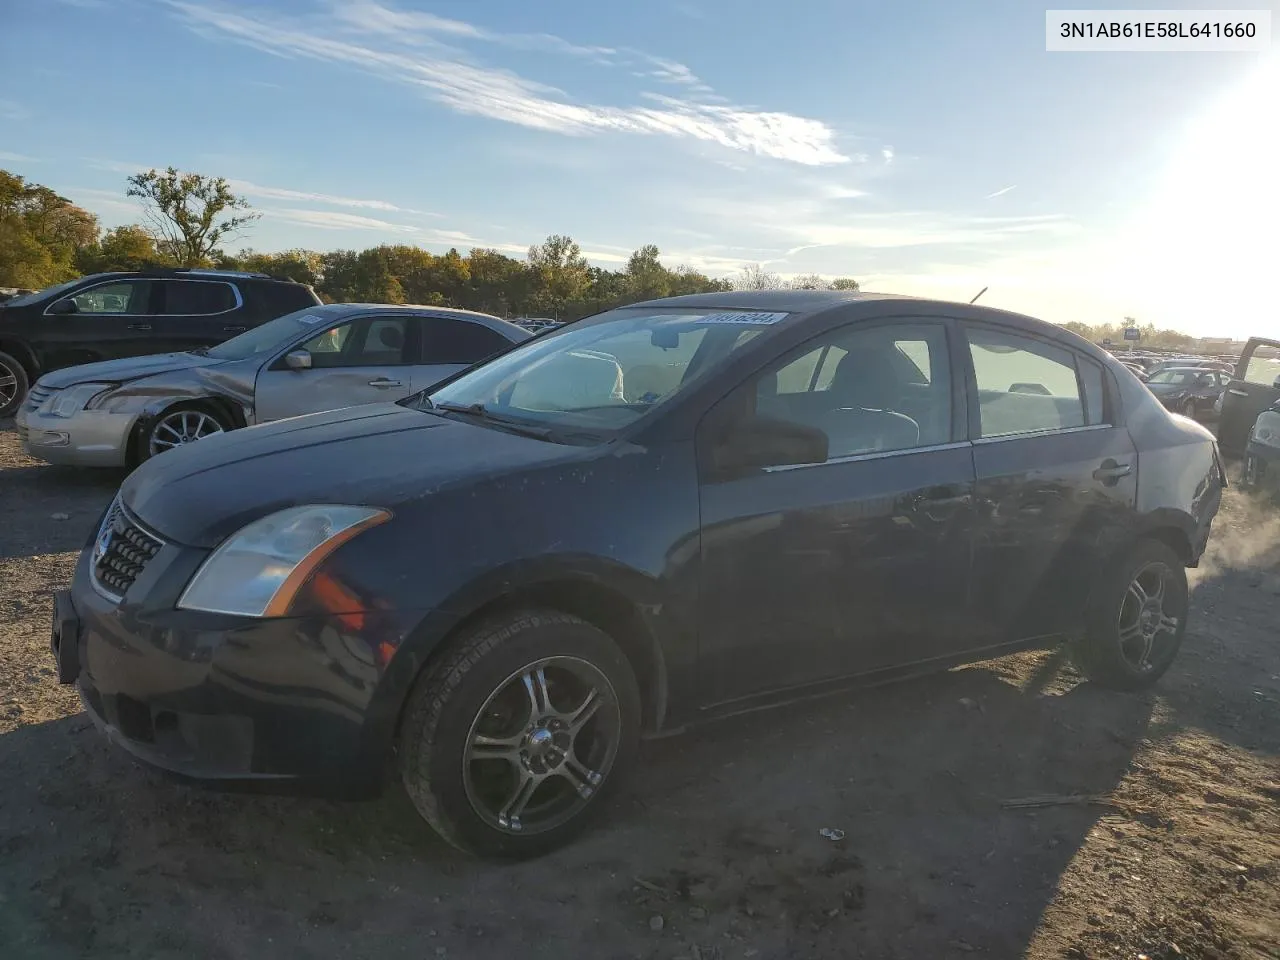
(110, 315)
(1183, 363)
(1262, 455)
(1254, 387)
(496, 586)
(120, 412)
(1190, 391)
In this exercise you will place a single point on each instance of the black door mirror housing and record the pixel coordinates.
(298, 359)
(755, 441)
(64, 308)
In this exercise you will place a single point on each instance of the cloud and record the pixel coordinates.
(280, 193)
(334, 220)
(7, 157)
(12, 110)
(447, 77)
(886, 153)
(1001, 192)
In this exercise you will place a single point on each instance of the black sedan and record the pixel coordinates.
(1190, 391)
(666, 513)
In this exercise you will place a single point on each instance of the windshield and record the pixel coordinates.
(606, 373)
(53, 291)
(269, 336)
(1174, 376)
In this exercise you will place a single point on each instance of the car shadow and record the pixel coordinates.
(721, 835)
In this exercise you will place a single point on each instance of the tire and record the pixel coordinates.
(1126, 645)
(1189, 409)
(194, 421)
(485, 681)
(14, 384)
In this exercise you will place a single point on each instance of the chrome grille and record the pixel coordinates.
(38, 395)
(121, 551)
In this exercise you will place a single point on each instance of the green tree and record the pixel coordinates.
(497, 283)
(190, 213)
(845, 283)
(122, 248)
(809, 281)
(41, 234)
(646, 277)
(560, 271)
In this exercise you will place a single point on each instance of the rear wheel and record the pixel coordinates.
(514, 739)
(13, 384)
(1137, 625)
(178, 426)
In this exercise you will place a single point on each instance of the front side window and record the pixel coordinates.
(368, 342)
(1024, 385)
(605, 373)
(124, 296)
(196, 297)
(867, 389)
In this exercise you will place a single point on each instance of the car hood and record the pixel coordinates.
(376, 454)
(125, 369)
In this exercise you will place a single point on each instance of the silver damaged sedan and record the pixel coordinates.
(120, 412)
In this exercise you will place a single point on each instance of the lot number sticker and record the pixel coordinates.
(743, 318)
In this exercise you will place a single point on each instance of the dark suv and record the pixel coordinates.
(110, 315)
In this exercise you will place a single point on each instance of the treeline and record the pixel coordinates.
(1150, 335)
(45, 239)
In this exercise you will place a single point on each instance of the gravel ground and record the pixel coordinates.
(715, 852)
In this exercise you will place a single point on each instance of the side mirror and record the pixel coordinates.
(763, 442)
(64, 307)
(298, 359)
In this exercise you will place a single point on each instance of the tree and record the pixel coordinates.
(756, 277)
(560, 272)
(190, 213)
(845, 283)
(808, 281)
(41, 234)
(122, 248)
(646, 277)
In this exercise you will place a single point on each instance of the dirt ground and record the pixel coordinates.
(715, 852)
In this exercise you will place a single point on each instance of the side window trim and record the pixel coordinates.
(235, 292)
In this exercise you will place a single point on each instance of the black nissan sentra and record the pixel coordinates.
(666, 513)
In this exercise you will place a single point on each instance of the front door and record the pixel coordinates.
(358, 361)
(1056, 481)
(820, 571)
(1255, 386)
(112, 319)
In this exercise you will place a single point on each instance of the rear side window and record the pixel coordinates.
(1024, 385)
(196, 297)
(458, 341)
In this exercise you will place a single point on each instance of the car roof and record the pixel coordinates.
(341, 310)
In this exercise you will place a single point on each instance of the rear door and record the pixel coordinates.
(1255, 386)
(364, 360)
(195, 313)
(449, 344)
(112, 319)
(1056, 479)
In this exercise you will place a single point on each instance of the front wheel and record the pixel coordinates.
(13, 384)
(513, 740)
(178, 426)
(1138, 620)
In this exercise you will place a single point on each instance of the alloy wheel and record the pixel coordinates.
(182, 427)
(8, 385)
(1144, 620)
(541, 745)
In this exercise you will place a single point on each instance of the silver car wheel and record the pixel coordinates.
(181, 427)
(8, 385)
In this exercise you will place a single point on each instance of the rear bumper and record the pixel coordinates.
(91, 438)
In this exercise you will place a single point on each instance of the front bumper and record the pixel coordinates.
(91, 438)
(212, 697)
(1262, 465)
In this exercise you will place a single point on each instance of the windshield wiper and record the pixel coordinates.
(480, 411)
(199, 351)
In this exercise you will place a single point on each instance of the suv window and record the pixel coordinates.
(866, 388)
(367, 342)
(196, 297)
(123, 297)
(458, 341)
(1024, 385)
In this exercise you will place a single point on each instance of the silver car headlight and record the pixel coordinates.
(69, 402)
(1266, 430)
(259, 570)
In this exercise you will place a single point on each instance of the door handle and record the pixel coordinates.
(139, 326)
(1110, 472)
(384, 382)
(234, 329)
(1237, 393)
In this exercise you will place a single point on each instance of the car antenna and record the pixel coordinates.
(978, 294)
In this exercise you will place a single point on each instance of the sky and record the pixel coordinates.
(924, 147)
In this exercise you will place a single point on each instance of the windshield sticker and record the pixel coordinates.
(310, 318)
(743, 318)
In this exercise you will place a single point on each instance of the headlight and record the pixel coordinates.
(1267, 429)
(68, 402)
(258, 571)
